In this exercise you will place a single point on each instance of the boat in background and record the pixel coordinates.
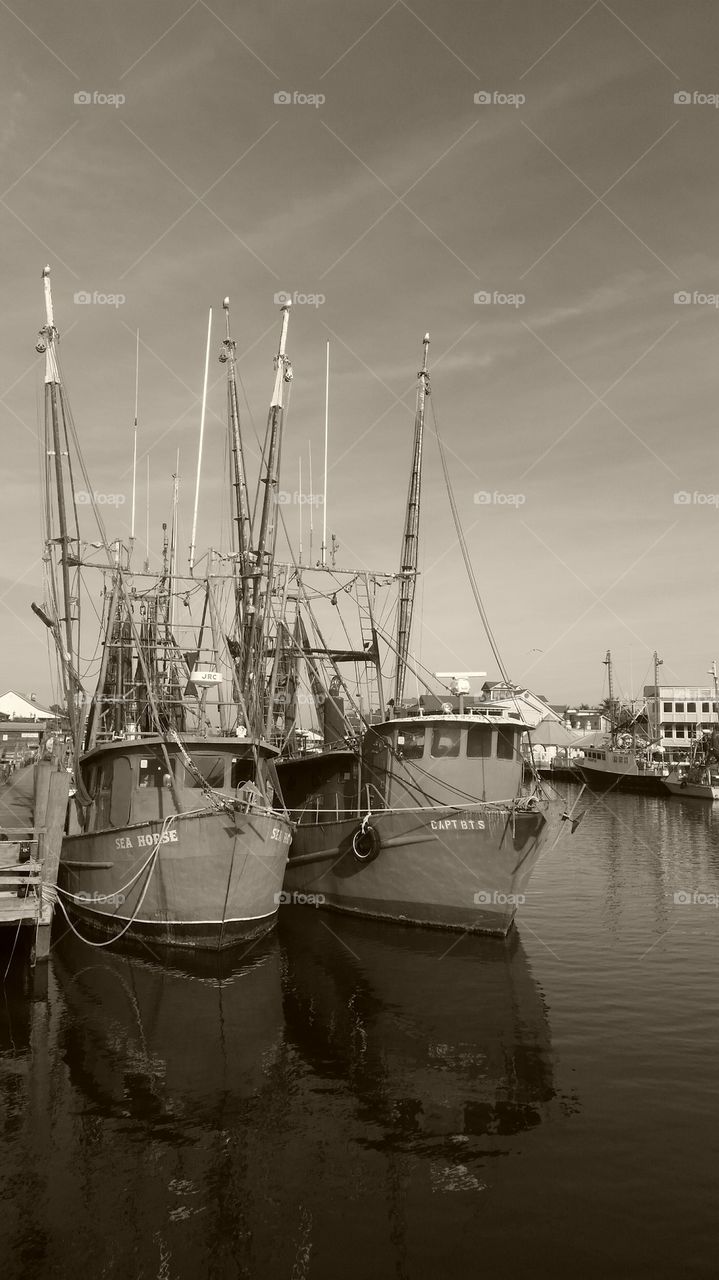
(623, 763)
(698, 778)
(175, 835)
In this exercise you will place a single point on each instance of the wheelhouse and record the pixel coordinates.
(409, 763)
(129, 782)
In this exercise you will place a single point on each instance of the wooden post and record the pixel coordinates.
(54, 824)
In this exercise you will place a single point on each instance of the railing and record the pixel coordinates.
(24, 873)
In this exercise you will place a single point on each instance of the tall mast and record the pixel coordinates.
(199, 447)
(147, 516)
(134, 442)
(323, 553)
(410, 539)
(264, 551)
(56, 447)
(228, 355)
(658, 662)
(173, 545)
(713, 674)
(608, 665)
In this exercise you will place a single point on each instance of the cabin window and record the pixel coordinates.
(151, 772)
(121, 791)
(243, 770)
(210, 768)
(505, 744)
(410, 744)
(445, 740)
(479, 741)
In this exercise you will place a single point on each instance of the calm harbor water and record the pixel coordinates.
(351, 1099)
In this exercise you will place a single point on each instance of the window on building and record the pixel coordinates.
(410, 743)
(667, 706)
(505, 744)
(446, 740)
(679, 731)
(678, 706)
(668, 732)
(705, 706)
(479, 741)
(691, 706)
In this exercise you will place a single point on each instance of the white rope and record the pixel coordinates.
(116, 938)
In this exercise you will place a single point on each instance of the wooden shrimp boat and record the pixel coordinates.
(178, 834)
(418, 813)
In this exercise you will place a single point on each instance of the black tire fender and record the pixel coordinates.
(366, 843)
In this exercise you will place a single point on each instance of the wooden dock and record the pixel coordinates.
(33, 805)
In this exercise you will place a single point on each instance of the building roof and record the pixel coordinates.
(549, 733)
(31, 702)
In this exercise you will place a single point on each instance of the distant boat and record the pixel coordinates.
(698, 778)
(622, 763)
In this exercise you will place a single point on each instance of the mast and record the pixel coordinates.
(228, 356)
(199, 447)
(324, 490)
(147, 516)
(715, 679)
(134, 442)
(608, 665)
(658, 662)
(312, 525)
(264, 551)
(410, 539)
(54, 441)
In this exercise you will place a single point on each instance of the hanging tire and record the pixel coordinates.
(366, 843)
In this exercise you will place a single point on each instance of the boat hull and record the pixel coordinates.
(449, 868)
(638, 784)
(693, 790)
(213, 881)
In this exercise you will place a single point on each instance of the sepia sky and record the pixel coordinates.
(577, 196)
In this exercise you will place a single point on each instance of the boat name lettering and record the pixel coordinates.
(144, 841)
(457, 824)
(283, 836)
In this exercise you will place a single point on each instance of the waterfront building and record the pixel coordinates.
(676, 712)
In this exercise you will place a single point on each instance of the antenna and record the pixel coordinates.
(312, 518)
(199, 447)
(324, 488)
(147, 517)
(134, 441)
(299, 503)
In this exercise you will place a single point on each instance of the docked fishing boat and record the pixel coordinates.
(177, 834)
(624, 762)
(415, 812)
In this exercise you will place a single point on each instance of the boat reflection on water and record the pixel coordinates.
(220, 1117)
(153, 1035)
(444, 1044)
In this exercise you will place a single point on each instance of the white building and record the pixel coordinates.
(678, 711)
(18, 707)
